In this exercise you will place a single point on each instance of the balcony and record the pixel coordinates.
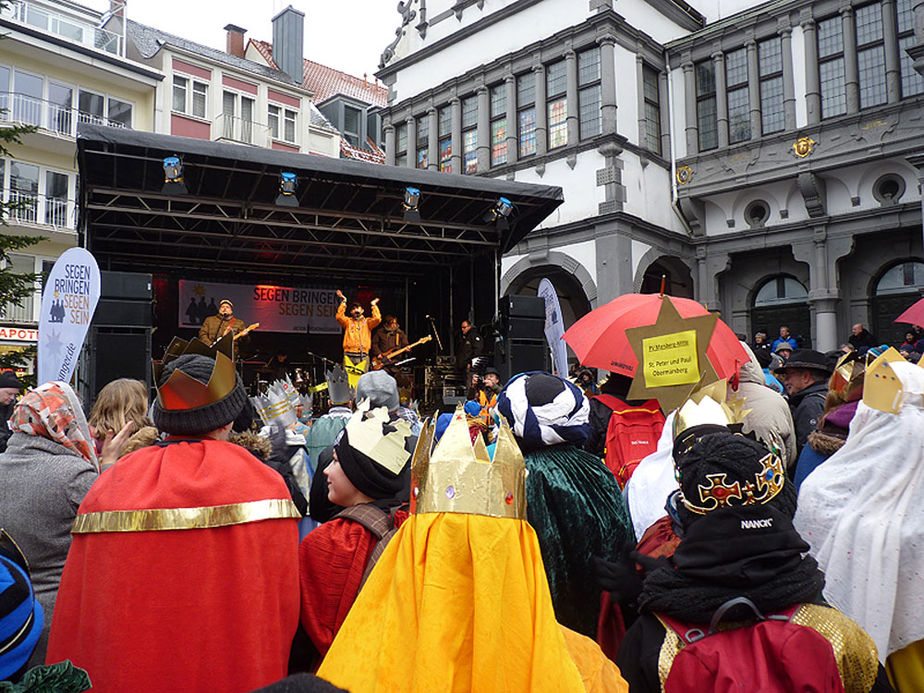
(229, 128)
(47, 19)
(20, 109)
(30, 209)
(24, 313)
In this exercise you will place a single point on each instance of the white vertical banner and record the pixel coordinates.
(68, 302)
(554, 328)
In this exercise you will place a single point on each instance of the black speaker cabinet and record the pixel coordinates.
(114, 353)
(514, 356)
(522, 306)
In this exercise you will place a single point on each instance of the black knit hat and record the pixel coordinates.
(9, 379)
(723, 469)
(367, 475)
(202, 419)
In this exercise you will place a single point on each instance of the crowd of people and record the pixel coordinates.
(548, 534)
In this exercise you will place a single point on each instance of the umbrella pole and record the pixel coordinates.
(663, 282)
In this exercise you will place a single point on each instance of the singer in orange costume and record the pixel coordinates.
(183, 570)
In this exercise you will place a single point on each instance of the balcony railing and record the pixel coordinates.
(21, 109)
(28, 208)
(22, 313)
(47, 19)
(241, 130)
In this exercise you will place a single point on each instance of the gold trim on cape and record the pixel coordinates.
(206, 517)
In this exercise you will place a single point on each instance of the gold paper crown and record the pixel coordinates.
(181, 391)
(846, 383)
(374, 435)
(709, 404)
(882, 388)
(459, 476)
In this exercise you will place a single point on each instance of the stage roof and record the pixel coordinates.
(349, 222)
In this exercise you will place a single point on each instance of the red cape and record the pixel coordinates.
(181, 610)
(331, 560)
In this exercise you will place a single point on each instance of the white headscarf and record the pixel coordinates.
(652, 482)
(862, 512)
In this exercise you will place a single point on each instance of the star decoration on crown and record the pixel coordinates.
(671, 337)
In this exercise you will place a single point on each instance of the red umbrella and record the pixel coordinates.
(599, 338)
(913, 315)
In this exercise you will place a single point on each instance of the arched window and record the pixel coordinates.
(908, 277)
(780, 290)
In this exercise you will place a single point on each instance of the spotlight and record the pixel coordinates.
(411, 200)
(287, 185)
(499, 213)
(173, 176)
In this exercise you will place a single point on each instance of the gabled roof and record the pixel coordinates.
(326, 82)
(149, 41)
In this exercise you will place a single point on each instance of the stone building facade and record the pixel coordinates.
(760, 158)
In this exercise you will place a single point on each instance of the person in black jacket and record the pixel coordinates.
(9, 388)
(861, 339)
(805, 377)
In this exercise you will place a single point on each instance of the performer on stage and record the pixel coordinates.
(217, 326)
(388, 337)
(357, 335)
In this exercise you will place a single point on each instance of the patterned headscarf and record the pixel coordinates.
(53, 411)
(544, 410)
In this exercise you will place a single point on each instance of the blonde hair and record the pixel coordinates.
(119, 402)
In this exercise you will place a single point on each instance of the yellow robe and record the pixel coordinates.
(461, 603)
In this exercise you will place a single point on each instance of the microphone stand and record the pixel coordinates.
(436, 334)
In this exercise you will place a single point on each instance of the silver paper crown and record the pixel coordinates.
(307, 404)
(338, 385)
(278, 404)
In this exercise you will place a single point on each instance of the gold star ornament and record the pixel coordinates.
(671, 356)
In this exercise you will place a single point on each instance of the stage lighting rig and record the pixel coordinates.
(410, 204)
(173, 176)
(287, 187)
(499, 213)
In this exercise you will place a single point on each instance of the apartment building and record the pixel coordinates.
(60, 64)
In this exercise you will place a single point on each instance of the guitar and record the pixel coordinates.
(247, 330)
(378, 363)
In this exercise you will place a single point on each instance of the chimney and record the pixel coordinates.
(234, 40)
(289, 42)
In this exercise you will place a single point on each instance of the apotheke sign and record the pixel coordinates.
(19, 334)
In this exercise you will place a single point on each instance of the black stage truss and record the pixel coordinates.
(348, 223)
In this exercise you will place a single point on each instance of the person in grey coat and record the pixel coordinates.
(49, 465)
(769, 417)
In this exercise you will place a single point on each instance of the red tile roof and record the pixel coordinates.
(326, 82)
(373, 155)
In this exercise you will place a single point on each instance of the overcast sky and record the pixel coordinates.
(349, 35)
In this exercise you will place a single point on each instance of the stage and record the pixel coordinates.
(346, 231)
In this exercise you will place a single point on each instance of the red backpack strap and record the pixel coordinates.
(609, 400)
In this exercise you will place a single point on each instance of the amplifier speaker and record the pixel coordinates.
(522, 306)
(114, 353)
(125, 300)
(518, 356)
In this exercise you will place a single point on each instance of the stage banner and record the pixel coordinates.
(276, 308)
(68, 303)
(554, 329)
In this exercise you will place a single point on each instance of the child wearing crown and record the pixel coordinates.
(459, 600)
(369, 478)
